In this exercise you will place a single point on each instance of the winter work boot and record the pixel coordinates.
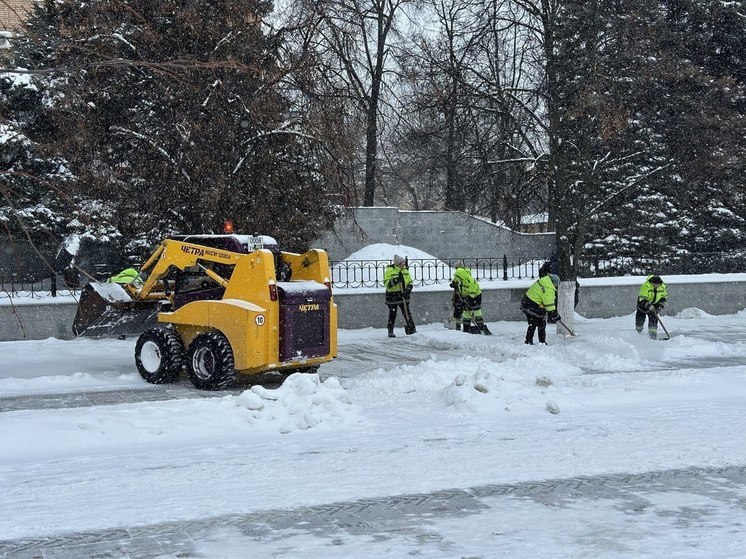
(391, 334)
(529, 342)
(467, 327)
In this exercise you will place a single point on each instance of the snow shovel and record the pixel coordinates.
(566, 327)
(656, 315)
(409, 327)
(452, 323)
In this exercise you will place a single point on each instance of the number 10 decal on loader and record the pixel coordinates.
(219, 307)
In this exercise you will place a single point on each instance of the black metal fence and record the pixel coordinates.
(15, 286)
(69, 282)
(369, 273)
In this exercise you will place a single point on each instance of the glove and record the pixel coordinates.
(661, 306)
(407, 291)
(453, 285)
(646, 306)
(394, 281)
(553, 317)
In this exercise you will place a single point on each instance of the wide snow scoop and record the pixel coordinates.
(107, 310)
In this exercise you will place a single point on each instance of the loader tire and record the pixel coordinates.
(159, 355)
(209, 362)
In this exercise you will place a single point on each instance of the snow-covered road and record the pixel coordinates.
(437, 411)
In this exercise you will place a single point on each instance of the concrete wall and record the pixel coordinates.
(361, 310)
(445, 235)
(595, 301)
(36, 322)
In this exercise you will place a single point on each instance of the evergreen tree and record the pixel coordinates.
(175, 116)
(30, 206)
(652, 140)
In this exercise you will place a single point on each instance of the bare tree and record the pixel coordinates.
(474, 109)
(358, 35)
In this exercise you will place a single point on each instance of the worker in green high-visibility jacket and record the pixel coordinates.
(650, 302)
(469, 295)
(398, 284)
(126, 276)
(539, 304)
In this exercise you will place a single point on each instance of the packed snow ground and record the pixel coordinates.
(436, 410)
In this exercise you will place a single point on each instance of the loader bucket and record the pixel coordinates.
(107, 310)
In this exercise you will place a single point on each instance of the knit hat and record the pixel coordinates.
(656, 280)
(398, 260)
(555, 279)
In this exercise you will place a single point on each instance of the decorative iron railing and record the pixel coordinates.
(425, 271)
(11, 285)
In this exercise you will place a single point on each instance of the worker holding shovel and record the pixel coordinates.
(398, 284)
(539, 304)
(650, 302)
(468, 294)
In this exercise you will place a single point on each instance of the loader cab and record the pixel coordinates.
(192, 284)
(256, 242)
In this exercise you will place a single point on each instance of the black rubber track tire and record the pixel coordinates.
(159, 355)
(209, 362)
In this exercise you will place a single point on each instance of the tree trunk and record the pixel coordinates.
(371, 147)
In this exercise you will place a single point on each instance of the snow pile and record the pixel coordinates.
(365, 265)
(465, 388)
(693, 312)
(385, 251)
(112, 292)
(302, 402)
(485, 392)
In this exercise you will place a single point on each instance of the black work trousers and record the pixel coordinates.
(537, 320)
(536, 323)
(404, 306)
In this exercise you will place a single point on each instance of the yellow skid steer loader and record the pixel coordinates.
(219, 305)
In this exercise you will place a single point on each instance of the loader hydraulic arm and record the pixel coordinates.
(181, 255)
